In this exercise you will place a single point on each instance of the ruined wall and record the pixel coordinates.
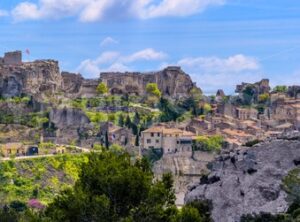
(172, 82)
(13, 58)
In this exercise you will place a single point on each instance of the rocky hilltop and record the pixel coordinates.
(43, 77)
(249, 180)
(172, 82)
(33, 78)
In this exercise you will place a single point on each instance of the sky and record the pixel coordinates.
(220, 43)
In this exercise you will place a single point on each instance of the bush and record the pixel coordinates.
(209, 144)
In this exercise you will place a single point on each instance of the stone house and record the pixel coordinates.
(245, 114)
(9, 149)
(170, 140)
(117, 135)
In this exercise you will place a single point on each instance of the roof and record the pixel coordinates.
(284, 126)
(154, 129)
(172, 131)
(233, 132)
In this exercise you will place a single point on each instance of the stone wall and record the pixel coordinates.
(13, 58)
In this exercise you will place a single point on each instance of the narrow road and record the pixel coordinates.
(84, 150)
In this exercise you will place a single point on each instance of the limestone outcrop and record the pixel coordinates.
(74, 85)
(249, 180)
(37, 78)
(258, 87)
(172, 82)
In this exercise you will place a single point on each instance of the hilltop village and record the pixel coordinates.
(163, 111)
(161, 115)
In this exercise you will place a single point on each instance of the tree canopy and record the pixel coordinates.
(153, 90)
(102, 88)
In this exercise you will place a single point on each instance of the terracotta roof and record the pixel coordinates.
(154, 129)
(188, 133)
(233, 132)
(172, 131)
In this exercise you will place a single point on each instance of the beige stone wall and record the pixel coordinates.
(155, 140)
(169, 144)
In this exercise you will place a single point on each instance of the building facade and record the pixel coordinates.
(170, 140)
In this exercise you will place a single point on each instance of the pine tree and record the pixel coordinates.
(128, 122)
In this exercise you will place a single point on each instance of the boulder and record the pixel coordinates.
(250, 184)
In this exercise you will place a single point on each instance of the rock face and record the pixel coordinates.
(35, 78)
(172, 82)
(68, 118)
(249, 180)
(260, 87)
(74, 85)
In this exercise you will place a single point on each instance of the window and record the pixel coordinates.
(148, 140)
(152, 134)
(157, 141)
(158, 134)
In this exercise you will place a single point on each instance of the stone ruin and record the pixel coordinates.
(11, 58)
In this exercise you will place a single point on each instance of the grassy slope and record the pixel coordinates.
(40, 178)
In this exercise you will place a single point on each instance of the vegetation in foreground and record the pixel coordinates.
(112, 188)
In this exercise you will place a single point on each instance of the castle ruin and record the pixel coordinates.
(11, 58)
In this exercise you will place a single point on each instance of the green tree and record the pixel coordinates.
(282, 89)
(136, 119)
(169, 111)
(111, 188)
(128, 122)
(263, 98)
(102, 88)
(121, 121)
(210, 144)
(153, 90)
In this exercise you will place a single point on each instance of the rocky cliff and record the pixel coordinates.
(37, 78)
(249, 180)
(172, 82)
(42, 78)
(74, 85)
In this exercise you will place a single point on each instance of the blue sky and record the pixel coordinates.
(218, 42)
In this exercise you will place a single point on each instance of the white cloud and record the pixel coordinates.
(108, 41)
(3, 13)
(236, 63)
(212, 73)
(178, 7)
(95, 10)
(114, 61)
(146, 54)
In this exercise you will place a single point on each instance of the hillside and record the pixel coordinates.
(39, 178)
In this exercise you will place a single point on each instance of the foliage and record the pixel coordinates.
(207, 108)
(169, 111)
(252, 143)
(152, 89)
(47, 145)
(209, 144)
(248, 95)
(102, 88)
(198, 211)
(113, 189)
(40, 178)
(291, 184)
(117, 149)
(280, 89)
(263, 98)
